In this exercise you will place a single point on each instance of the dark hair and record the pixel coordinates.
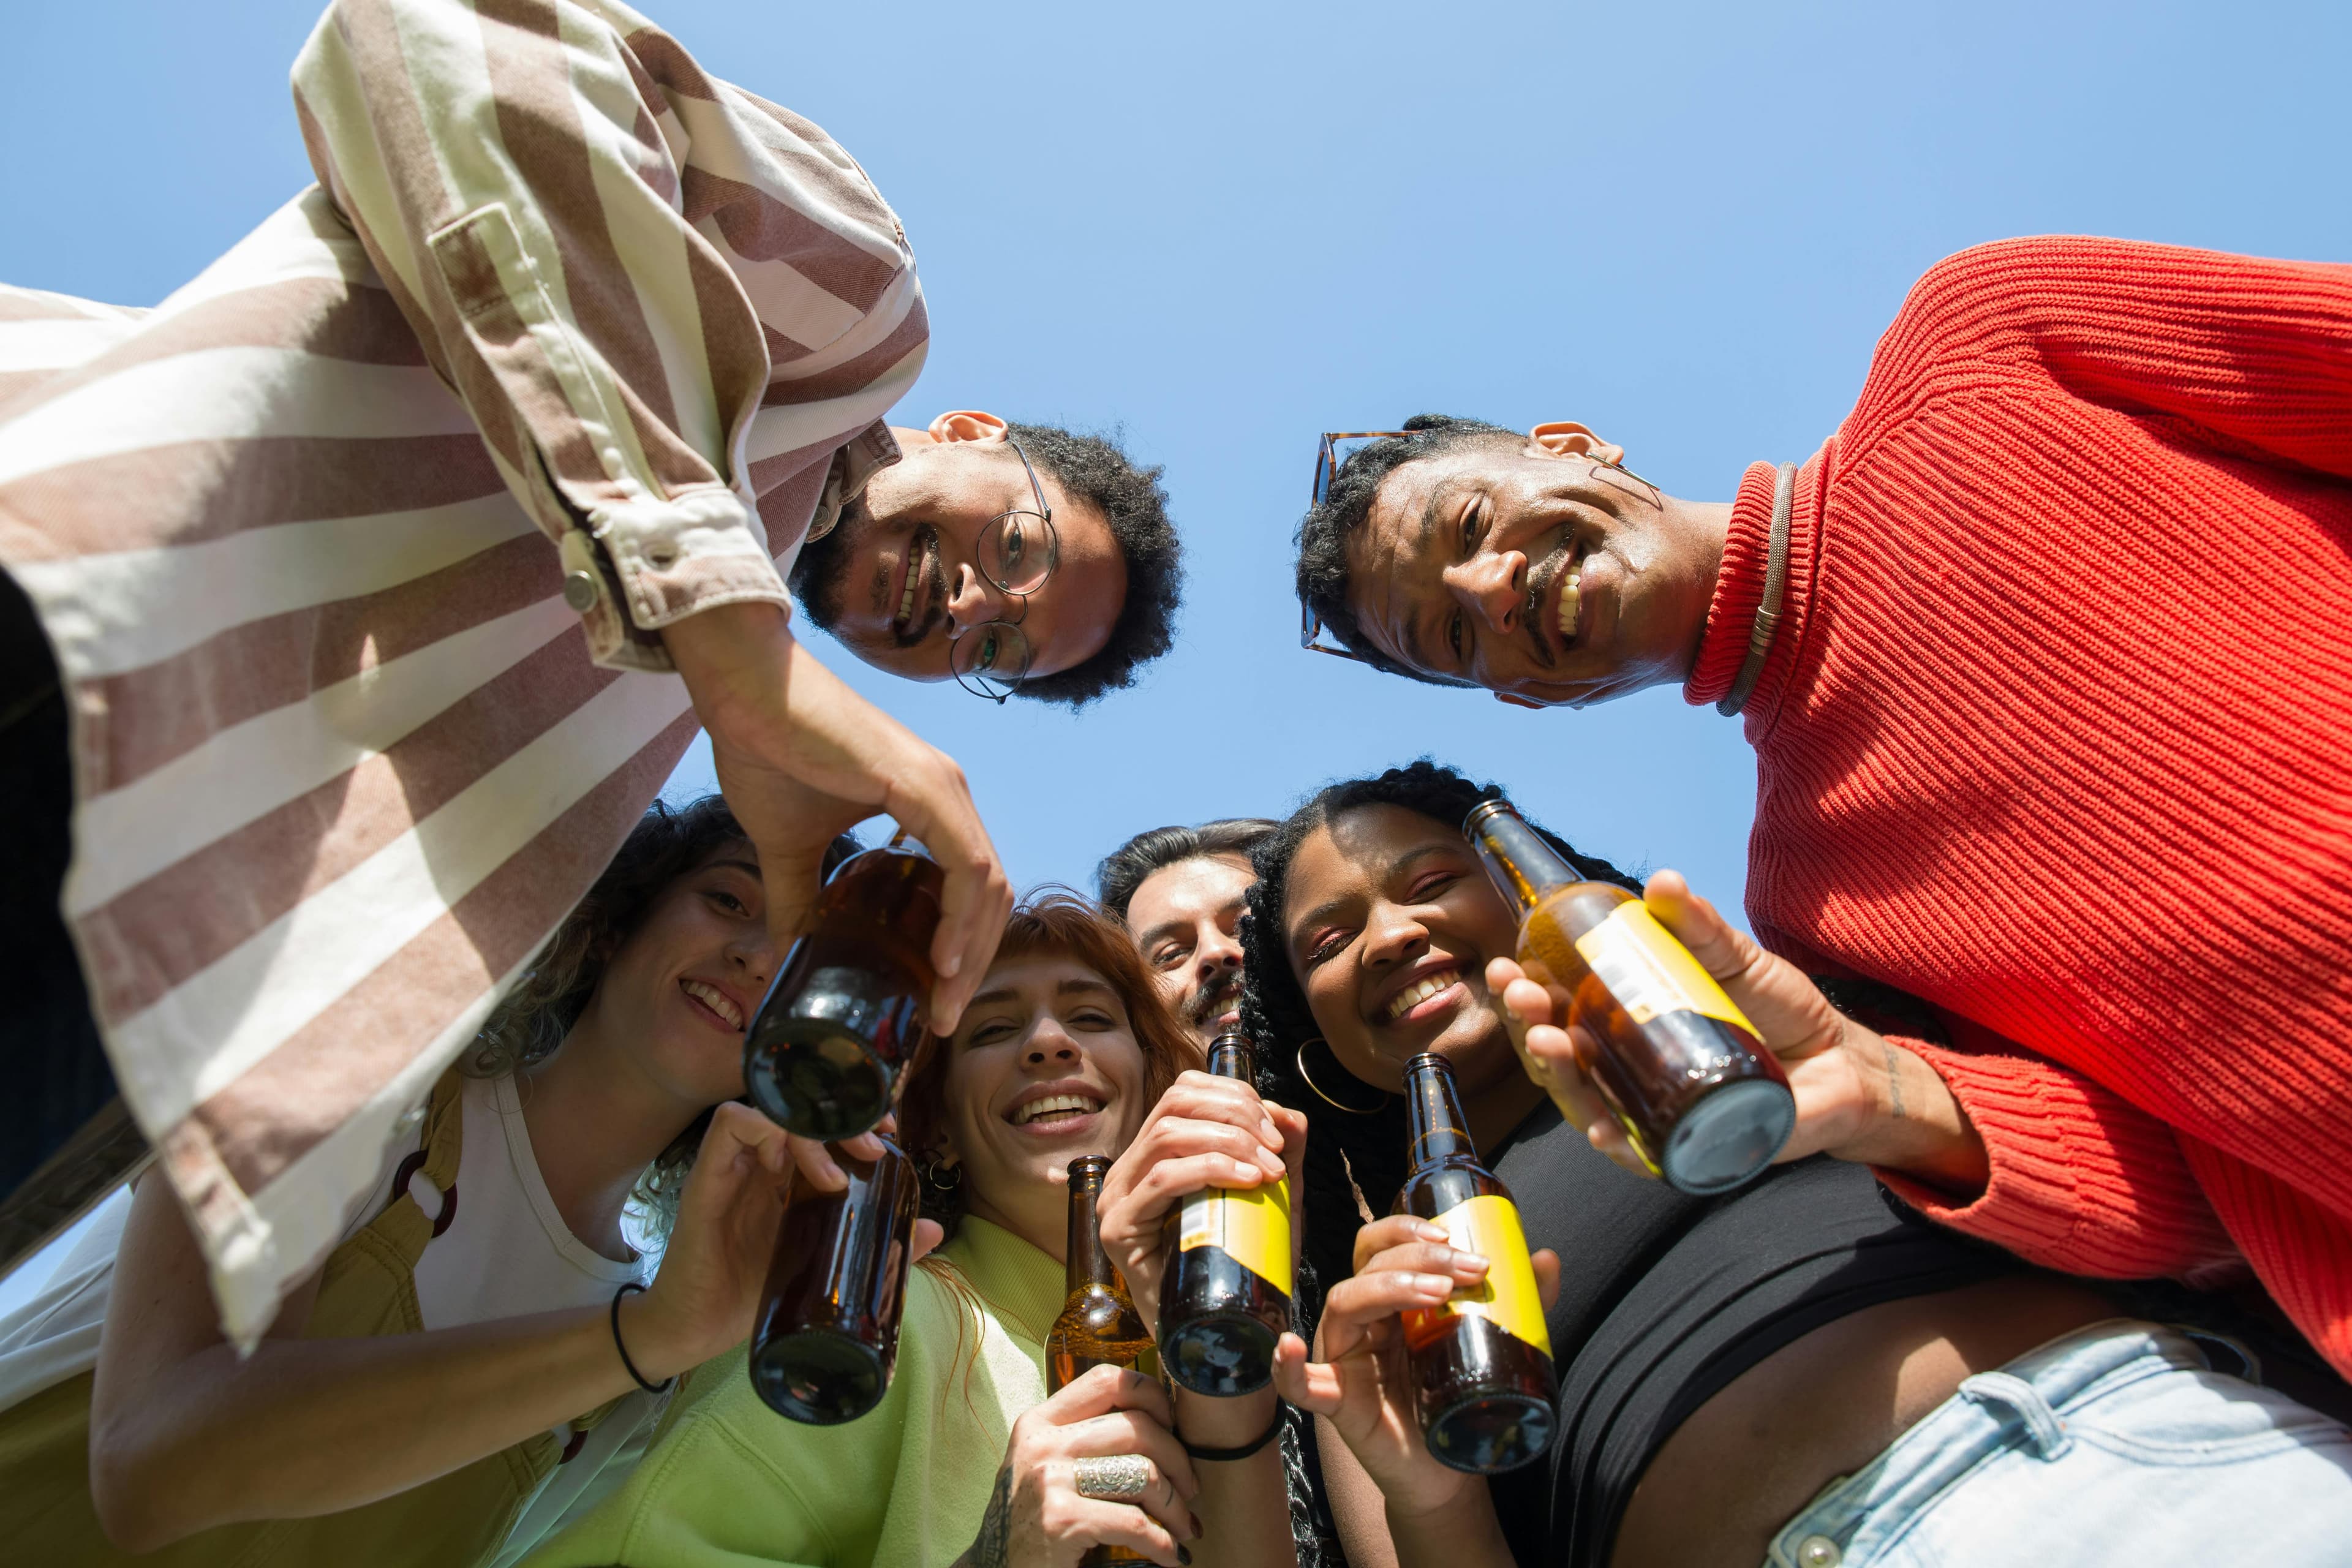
(1094, 469)
(1367, 1151)
(532, 1019)
(1124, 869)
(1052, 920)
(1324, 531)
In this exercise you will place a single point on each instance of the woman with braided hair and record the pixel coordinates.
(1803, 1372)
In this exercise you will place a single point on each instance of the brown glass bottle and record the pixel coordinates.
(1099, 1325)
(826, 1335)
(1704, 1104)
(1225, 1299)
(1481, 1365)
(845, 1015)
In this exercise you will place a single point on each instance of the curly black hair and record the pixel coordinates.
(1345, 1154)
(1094, 469)
(1324, 532)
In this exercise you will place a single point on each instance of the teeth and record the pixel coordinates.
(1420, 991)
(906, 599)
(714, 999)
(1055, 1105)
(1568, 599)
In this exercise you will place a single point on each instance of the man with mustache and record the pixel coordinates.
(1182, 891)
(2043, 655)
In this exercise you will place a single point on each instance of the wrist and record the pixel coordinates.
(657, 1345)
(1913, 1124)
(1202, 1422)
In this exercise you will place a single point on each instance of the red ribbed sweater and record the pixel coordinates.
(2057, 735)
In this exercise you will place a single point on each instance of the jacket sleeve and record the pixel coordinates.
(2255, 351)
(2081, 1179)
(516, 177)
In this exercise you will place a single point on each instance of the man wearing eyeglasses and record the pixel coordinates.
(2046, 656)
(1019, 559)
(359, 597)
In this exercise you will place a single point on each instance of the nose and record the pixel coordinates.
(1217, 952)
(974, 600)
(1493, 585)
(1049, 1045)
(1392, 936)
(755, 956)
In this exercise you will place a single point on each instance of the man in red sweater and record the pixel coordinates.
(2046, 656)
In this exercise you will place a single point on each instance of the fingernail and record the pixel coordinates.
(952, 968)
(1266, 1129)
(1433, 1284)
(1428, 1232)
(1184, 1556)
(1198, 1530)
(1470, 1262)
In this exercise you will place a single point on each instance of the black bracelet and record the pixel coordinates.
(1246, 1449)
(661, 1387)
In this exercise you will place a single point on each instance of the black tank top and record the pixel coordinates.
(1665, 1298)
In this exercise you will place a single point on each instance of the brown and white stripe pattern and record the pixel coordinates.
(300, 536)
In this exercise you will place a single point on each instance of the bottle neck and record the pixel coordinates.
(1233, 1056)
(1433, 1114)
(1085, 1262)
(1523, 865)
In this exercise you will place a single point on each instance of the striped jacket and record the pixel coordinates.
(355, 550)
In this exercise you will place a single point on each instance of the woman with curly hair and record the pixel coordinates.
(1802, 1373)
(481, 1353)
(1065, 1050)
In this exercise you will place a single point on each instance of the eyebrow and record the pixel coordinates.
(1145, 939)
(744, 865)
(1074, 984)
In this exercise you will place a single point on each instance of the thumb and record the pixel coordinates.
(1547, 1268)
(928, 1234)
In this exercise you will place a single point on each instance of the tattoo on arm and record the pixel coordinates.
(1894, 1077)
(994, 1547)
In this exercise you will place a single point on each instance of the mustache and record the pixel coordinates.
(1215, 1001)
(1539, 581)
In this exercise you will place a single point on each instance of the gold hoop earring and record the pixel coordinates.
(1603, 467)
(1379, 1103)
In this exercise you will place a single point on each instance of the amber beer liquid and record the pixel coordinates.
(1226, 1297)
(1099, 1325)
(845, 1013)
(1704, 1104)
(1481, 1365)
(826, 1335)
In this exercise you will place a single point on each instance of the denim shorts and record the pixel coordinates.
(2117, 1443)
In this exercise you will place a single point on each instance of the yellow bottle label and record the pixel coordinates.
(1252, 1225)
(1489, 1226)
(1650, 971)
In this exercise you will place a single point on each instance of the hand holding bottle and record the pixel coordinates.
(1859, 1095)
(1206, 1131)
(1036, 1515)
(1358, 1380)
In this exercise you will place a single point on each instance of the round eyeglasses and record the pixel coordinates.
(1018, 551)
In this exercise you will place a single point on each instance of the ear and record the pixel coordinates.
(1567, 438)
(1515, 700)
(968, 424)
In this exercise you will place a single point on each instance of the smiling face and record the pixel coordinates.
(1532, 572)
(901, 576)
(1389, 921)
(1042, 1067)
(675, 994)
(1186, 919)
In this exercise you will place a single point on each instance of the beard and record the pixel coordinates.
(820, 577)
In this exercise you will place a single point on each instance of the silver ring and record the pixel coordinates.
(1120, 1477)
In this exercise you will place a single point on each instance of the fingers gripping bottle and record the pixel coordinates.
(1480, 1365)
(1099, 1325)
(845, 1013)
(826, 1335)
(1704, 1104)
(1226, 1297)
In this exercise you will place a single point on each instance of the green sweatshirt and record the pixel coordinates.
(729, 1481)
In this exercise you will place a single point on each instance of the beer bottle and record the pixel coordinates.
(1226, 1297)
(1099, 1325)
(1704, 1104)
(1481, 1365)
(826, 1334)
(845, 1013)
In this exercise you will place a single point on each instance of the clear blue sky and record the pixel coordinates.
(1226, 228)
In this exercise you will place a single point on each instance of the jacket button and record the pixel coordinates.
(580, 591)
(1818, 1551)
